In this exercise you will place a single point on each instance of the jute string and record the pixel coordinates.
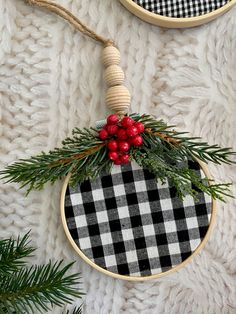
(117, 96)
(73, 20)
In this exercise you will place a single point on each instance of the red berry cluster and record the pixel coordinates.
(121, 135)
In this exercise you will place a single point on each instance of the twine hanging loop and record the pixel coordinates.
(117, 96)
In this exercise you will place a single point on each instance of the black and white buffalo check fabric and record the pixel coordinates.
(181, 8)
(128, 223)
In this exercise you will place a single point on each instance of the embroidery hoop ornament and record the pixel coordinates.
(118, 99)
(131, 277)
(174, 22)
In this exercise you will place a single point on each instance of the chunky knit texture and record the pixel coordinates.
(51, 80)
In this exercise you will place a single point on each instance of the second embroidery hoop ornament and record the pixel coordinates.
(128, 203)
(178, 14)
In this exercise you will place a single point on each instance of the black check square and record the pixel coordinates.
(129, 223)
(181, 9)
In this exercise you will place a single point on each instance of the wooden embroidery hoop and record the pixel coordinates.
(135, 278)
(171, 22)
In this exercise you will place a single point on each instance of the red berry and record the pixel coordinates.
(121, 134)
(112, 145)
(124, 159)
(132, 131)
(103, 134)
(140, 127)
(137, 140)
(130, 141)
(126, 122)
(112, 119)
(117, 161)
(113, 156)
(124, 146)
(112, 129)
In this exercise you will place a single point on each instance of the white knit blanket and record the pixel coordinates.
(51, 81)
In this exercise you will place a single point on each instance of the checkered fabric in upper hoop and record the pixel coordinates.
(181, 8)
(130, 224)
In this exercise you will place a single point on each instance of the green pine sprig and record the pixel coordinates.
(25, 289)
(38, 287)
(85, 157)
(12, 254)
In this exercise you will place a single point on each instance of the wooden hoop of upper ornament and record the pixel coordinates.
(172, 22)
(136, 278)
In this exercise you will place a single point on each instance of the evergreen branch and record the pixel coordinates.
(186, 146)
(84, 156)
(12, 253)
(38, 286)
(185, 180)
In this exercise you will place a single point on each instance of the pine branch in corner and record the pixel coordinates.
(25, 289)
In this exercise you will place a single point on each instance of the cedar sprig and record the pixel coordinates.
(84, 155)
(180, 176)
(184, 146)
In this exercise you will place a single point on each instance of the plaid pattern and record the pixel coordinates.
(183, 8)
(128, 223)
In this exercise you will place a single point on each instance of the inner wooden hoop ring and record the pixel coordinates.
(136, 278)
(173, 22)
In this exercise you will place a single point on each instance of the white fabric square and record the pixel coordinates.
(76, 198)
(192, 222)
(110, 260)
(194, 244)
(188, 201)
(102, 216)
(152, 252)
(140, 186)
(116, 169)
(127, 234)
(170, 226)
(166, 204)
(81, 221)
(174, 248)
(106, 238)
(145, 208)
(98, 195)
(123, 212)
(131, 256)
(148, 230)
(85, 243)
(119, 190)
(135, 166)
